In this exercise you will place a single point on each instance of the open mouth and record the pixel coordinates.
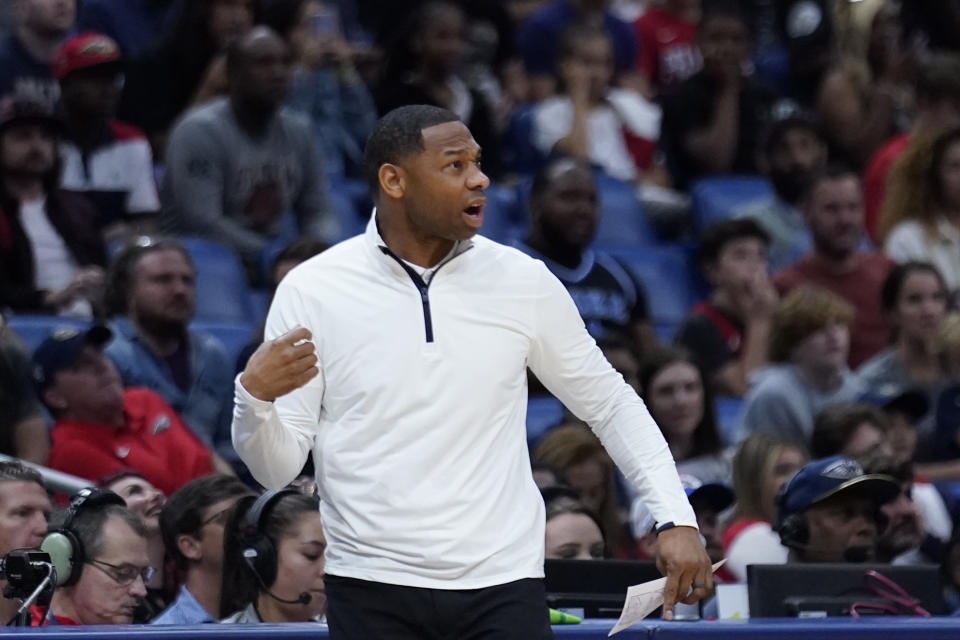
(474, 213)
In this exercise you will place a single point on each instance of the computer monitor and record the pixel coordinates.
(817, 590)
(596, 586)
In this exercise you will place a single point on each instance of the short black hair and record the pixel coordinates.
(398, 135)
(833, 171)
(574, 35)
(182, 514)
(795, 122)
(544, 176)
(716, 236)
(712, 9)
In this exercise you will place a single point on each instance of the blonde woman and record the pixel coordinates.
(760, 467)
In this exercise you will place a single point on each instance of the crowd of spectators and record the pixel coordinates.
(823, 312)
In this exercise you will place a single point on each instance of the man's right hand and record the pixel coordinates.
(279, 366)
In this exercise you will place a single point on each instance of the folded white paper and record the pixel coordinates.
(642, 600)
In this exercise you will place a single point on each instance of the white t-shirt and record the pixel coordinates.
(52, 263)
(910, 240)
(607, 147)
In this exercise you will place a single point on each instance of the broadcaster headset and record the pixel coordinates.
(259, 550)
(793, 529)
(66, 550)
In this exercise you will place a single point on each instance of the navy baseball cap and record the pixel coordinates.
(912, 403)
(825, 478)
(61, 348)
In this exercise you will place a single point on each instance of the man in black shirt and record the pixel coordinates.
(712, 121)
(563, 219)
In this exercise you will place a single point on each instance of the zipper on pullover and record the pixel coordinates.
(422, 287)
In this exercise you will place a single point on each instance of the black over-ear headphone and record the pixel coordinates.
(259, 550)
(65, 548)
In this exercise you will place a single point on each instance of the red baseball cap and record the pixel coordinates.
(89, 49)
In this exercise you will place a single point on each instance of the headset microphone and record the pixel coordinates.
(248, 556)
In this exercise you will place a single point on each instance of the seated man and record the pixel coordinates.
(109, 161)
(729, 331)
(809, 340)
(151, 298)
(794, 152)
(39, 26)
(101, 428)
(51, 247)
(563, 220)
(106, 587)
(238, 166)
(833, 211)
(192, 524)
(713, 121)
(830, 511)
(24, 510)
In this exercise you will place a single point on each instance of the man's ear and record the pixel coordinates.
(189, 547)
(54, 399)
(393, 180)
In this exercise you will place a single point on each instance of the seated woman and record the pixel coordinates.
(273, 560)
(761, 465)
(920, 219)
(914, 298)
(572, 531)
(672, 386)
(577, 455)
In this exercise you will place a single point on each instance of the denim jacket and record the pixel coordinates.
(207, 406)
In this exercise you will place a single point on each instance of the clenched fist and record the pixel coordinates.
(279, 366)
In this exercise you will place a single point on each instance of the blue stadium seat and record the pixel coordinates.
(728, 410)
(518, 154)
(665, 272)
(721, 197)
(222, 294)
(259, 304)
(233, 335)
(502, 214)
(543, 413)
(34, 328)
(623, 222)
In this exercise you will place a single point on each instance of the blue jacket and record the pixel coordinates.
(207, 406)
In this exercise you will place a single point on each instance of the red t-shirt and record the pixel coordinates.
(667, 54)
(875, 179)
(869, 333)
(154, 441)
(37, 614)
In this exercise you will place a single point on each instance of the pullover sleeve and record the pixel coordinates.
(274, 438)
(567, 360)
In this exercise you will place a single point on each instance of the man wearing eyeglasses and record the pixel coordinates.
(114, 574)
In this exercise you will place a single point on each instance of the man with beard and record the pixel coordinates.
(563, 219)
(833, 211)
(51, 250)
(150, 295)
(794, 153)
(100, 427)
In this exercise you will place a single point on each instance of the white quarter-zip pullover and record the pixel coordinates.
(417, 417)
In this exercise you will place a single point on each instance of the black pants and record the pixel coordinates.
(361, 610)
